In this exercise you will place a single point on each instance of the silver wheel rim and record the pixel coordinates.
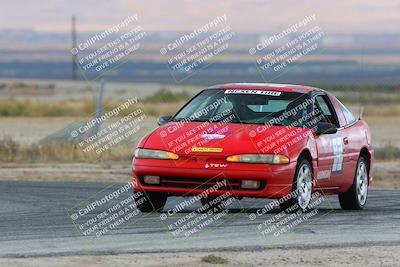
(362, 183)
(304, 186)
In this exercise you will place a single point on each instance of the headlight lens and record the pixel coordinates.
(259, 158)
(142, 153)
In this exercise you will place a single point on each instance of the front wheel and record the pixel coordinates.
(300, 197)
(150, 201)
(356, 197)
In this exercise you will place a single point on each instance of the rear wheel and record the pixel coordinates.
(356, 197)
(301, 189)
(150, 201)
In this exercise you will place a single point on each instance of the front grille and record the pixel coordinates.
(201, 183)
(198, 183)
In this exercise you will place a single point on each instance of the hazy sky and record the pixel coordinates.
(338, 16)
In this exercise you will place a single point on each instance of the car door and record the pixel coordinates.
(353, 138)
(330, 147)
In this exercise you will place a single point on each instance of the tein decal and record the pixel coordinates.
(207, 149)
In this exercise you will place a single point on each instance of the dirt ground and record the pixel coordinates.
(347, 256)
(66, 172)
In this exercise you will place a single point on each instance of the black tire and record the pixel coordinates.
(292, 203)
(150, 201)
(351, 200)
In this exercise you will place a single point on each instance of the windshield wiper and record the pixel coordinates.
(189, 120)
(275, 124)
(233, 121)
(259, 122)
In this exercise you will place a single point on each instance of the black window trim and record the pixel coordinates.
(347, 124)
(330, 105)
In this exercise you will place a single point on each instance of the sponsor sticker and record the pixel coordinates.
(215, 165)
(213, 136)
(252, 92)
(207, 149)
(324, 174)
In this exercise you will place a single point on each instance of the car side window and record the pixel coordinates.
(323, 104)
(347, 114)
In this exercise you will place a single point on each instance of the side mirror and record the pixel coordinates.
(163, 120)
(325, 128)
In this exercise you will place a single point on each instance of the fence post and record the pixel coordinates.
(99, 108)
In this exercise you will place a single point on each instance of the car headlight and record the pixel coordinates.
(142, 153)
(259, 158)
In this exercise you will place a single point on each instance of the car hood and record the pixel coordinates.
(222, 139)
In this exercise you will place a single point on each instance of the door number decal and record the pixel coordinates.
(337, 146)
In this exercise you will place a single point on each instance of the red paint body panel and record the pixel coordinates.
(196, 167)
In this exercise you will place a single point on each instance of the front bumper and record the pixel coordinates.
(276, 180)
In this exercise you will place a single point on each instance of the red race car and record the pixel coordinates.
(274, 141)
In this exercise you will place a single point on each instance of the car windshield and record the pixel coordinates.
(247, 106)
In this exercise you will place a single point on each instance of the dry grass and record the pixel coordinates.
(14, 108)
(160, 103)
(159, 109)
(80, 109)
(384, 111)
(377, 100)
(11, 151)
(66, 152)
(369, 98)
(388, 152)
(10, 108)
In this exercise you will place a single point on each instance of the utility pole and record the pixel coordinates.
(73, 37)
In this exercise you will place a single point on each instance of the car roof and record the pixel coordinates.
(267, 86)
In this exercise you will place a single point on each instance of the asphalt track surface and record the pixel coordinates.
(35, 220)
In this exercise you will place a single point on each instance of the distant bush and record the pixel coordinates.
(32, 109)
(58, 151)
(377, 100)
(8, 149)
(165, 95)
(359, 87)
(373, 98)
(13, 108)
(382, 110)
(387, 152)
(212, 259)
